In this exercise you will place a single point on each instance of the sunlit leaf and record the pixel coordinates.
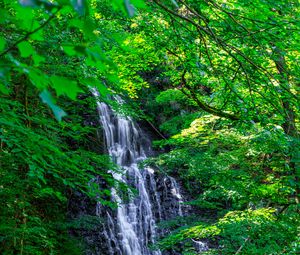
(38, 78)
(38, 59)
(69, 50)
(63, 85)
(88, 29)
(25, 17)
(138, 3)
(74, 50)
(38, 35)
(25, 49)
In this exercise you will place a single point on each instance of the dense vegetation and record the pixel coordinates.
(217, 80)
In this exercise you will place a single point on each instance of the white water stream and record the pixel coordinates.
(133, 228)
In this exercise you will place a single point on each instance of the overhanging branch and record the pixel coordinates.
(205, 107)
(26, 36)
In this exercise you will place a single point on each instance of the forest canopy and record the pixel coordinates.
(216, 80)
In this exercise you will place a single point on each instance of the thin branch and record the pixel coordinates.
(26, 36)
(242, 246)
(202, 105)
(156, 130)
(229, 49)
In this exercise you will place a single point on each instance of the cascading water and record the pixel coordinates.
(133, 227)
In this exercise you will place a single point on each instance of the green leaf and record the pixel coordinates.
(76, 23)
(2, 44)
(88, 29)
(118, 5)
(80, 49)
(131, 6)
(38, 35)
(38, 79)
(25, 49)
(92, 82)
(127, 6)
(77, 50)
(38, 59)
(26, 17)
(139, 3)
(69, 50)
(4, 16)
(3, 89)
(63, 85)
(48, 99)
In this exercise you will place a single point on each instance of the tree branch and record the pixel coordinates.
(202, 105)
(242, 246)
(30, 33)
(231, 50)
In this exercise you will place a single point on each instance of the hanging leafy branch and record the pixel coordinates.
(189, 92)
(248, 67)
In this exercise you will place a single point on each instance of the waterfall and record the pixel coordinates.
(131, 229)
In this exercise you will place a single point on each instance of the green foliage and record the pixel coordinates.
(237, 61)
(249, 232)
(219, 78)
(38, 172)
(174, 125)
(231, 171)
(52, 52)
(58, 32)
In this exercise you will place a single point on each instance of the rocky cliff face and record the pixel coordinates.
(100, 225)
(92, 230)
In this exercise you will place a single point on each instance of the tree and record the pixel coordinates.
(238, 61)
(50, 52)
(219, 77)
